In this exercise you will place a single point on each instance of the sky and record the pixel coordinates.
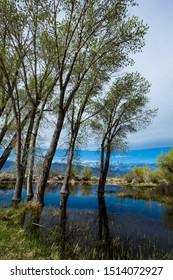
(155, 63)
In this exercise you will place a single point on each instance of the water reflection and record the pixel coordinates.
(168, 218)
(63, 211)
(101, 218)
(86, 189)
(104, 225)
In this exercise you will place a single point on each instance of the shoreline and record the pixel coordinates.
(10, 178)
(145, 191)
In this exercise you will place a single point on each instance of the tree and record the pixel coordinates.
(86, 173)
(125, 110)
(30, 82)
(165, 164)
(79, 114)
(87, 33)
(14, 25)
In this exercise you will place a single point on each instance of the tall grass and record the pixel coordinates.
(64, 241)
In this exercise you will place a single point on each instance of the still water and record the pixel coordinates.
(147, 221)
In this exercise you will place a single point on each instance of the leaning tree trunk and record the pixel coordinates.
(11, 145)
(7, 151)
(104, 166)
(65, 186)
(23, 162)
(41, 185)
(29, 194)
(17, 196)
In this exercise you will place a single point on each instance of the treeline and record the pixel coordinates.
(57, 59)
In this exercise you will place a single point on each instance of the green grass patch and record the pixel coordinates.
(16, 243)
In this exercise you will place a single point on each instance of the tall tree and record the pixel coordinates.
(79, 114)
(31, 79)
(125, 110)
(87, 33)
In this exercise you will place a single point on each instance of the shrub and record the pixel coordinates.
(164, 188)
(139, 175)
(156, 175)
(74, 172)
(165, 163)
(86, 173)
(129, 177)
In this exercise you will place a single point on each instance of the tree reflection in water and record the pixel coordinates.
(104, 233)
(167, 216)
(63, 211)
(63, 219)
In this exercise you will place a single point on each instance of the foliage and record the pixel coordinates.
(139, 175)
(86, 173)
(162, 177)
(156, 175)
(124, 110)
(55, 52)
(74, 172)
(165, 164)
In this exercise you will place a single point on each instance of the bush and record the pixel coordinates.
(129, 177)
(165, 163)
(156, 176)
(86, 173)
(164, 188)
(74, 172)
(139, 175)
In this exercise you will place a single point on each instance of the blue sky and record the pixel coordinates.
(155, 63)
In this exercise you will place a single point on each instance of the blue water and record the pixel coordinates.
(128, 218)
(85, 197)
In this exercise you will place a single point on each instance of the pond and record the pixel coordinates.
(142, 224)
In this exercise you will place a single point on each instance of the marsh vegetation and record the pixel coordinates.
(86, 226)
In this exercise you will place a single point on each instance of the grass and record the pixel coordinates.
(66, 241)
(16, 243)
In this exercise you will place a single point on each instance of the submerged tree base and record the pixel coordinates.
(29, 197)
(16, 202)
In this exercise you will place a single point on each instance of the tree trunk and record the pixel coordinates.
(29, 189)
(3, 131)
(65, 186)
(7, 151)
(104, 166)
(41, 185)
(11, 145)
(21, 167)
(32, 156)
(30, 193)
(17, 196)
